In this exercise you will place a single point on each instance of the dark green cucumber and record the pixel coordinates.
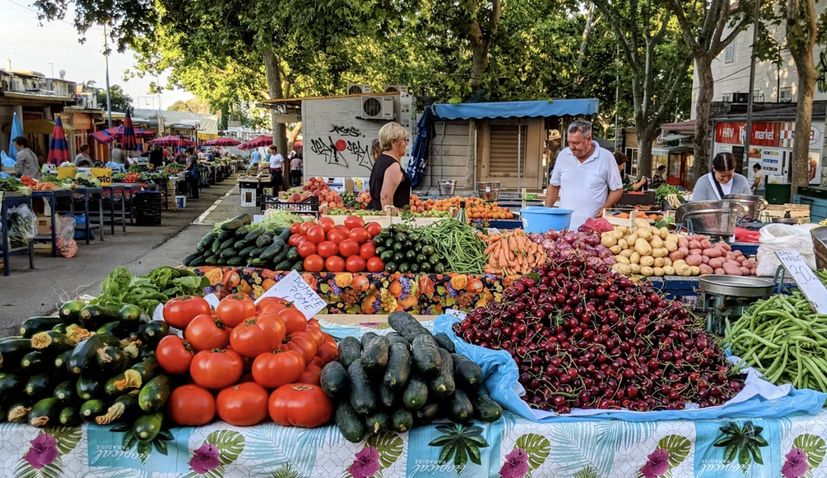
(91, 409)
(427, 413)
(154, 394)
(298, 266)
(12, 350)
(349, 350)
(195, 256)
(376, 422)
(425, 355)
(443, 384)
(36, 324)
(66, 391)
(254, 233)
(247, 251)
(88, 387)
(402, 420)
(118, 328)
(398, 370)
(36, 361)
(44, 412)
(263, 240)
(334, 380)
(375, 355)
(487, 409)
(466, 372)
(39, 386)
(284, 235)
(11, 385)
(69, 416)
(206, 241)
(51, 340)
(242, 232)
(125, 408)
(237, 261)
(84, 355)
(387, 397)
(444, 341)
(62, 360)
(362, 396)
(93, 316)
(228, 253)
(130, 313)
(147, 427)
(292, 254)
(111, 359)
(407, 325)
(228, 244)
(283, 266)
(415, 394)
(462, 409)
(350, 424)
(152, 332)
(224, 235)
(70, 311)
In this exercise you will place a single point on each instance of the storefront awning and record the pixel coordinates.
(517, 109)
(673, 137)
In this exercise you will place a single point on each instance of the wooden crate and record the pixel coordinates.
(800, 212)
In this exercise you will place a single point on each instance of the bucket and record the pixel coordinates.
(490, 191)
(180, 202)
(540, 219)
(447, 187)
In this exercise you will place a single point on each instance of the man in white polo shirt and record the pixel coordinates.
(585, 176)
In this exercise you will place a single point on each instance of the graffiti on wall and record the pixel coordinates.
(349, 147)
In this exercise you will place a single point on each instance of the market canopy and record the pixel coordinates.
(517, 109)
(116, 132)
(222, 142)
(172, 141)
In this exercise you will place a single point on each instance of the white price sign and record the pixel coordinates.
(806, 279)
(294, 289)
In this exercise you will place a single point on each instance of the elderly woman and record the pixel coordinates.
(722, 180)
(389, 185)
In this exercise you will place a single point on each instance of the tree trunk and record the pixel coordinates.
(645, 137)
(803, 121)
(274, 89)
(703, 111)
(479, 56)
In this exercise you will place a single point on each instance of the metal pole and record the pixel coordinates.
(745, 165)
(617, 97)
(106, 58)
(519, 154)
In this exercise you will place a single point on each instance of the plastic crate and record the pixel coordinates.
(309, 207)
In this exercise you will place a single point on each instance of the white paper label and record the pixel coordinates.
(212, 299)
(294, 289)
(807, 281)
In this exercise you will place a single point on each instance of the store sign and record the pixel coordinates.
(772, 162)
(765, 133)
(807, 281)
(730, 132)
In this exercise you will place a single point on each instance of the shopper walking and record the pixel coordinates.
(276, 169)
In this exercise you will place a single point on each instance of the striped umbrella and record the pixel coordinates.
(128, 141)
(58, 147)
(16, 130)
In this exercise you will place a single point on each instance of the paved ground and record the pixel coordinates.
(32, 292)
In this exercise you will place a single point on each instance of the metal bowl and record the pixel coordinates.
(736, 286)
(819, 235)
(785, 220)
(447, 187)
(713, 218)
(753, 204)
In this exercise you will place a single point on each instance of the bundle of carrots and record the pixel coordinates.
(513, 253)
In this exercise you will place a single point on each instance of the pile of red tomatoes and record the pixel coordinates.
(326, 246)
(245, 362)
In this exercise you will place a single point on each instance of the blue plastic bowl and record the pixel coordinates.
(541, 219)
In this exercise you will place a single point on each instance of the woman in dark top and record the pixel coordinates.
(389, 184)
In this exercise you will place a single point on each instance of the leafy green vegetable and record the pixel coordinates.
(664, 190)
(160, 285)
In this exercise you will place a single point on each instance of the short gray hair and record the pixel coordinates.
(580, 126)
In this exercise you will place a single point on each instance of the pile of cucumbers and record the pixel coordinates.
(406, 378)
(405, 249)
(87, 364)
(238, 242)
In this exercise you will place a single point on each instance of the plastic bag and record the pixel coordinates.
(6, 160)
(596, 225)
(66, 245)
(784, 237)
(22, 225)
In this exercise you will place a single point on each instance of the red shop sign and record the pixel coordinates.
(729, 132)
(765, 133)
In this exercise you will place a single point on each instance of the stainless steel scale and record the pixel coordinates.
(722, 297)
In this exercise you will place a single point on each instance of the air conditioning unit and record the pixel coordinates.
(740, 97)
(396, 89)
(377, 108)
(359, 89)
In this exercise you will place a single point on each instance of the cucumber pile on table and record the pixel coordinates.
(89, 363)
(408, 377)
(406, 249)
(238, 242)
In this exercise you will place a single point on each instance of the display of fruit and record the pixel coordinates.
(327, 197)
(325, 246)
(475, 208)
(406, 249)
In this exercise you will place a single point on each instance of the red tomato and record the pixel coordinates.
(355, 264)
(342, 227)
(348, 248)
(303, 343)
(334, 264)
(216, 369)
(249, 340)
(316, 333)
(206, 332)
(315, 234)
(373, 228)
(313, 263)
(295, 228)
(235, 309)
(327, 249)
(310, 376)
(272, 304)
(306, 249)
(180, 311)
(300, 405)
(328, 351)
(303, 228)
(243, 405)
(367, 250)
(359, 235)
(327, 223)
(275, 369)
(191, 406)
(336, 235)
(354, 221)
(376, 264)
(294, 240)
(173, 354)
(317, 361)
(294, 320)
(273, 327)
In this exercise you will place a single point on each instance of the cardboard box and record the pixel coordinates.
(104, 175)
(66, 172)
(44, 225)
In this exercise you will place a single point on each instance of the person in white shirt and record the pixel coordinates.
(276, 169)
(83, 160)
(585, 177)
(758, 178)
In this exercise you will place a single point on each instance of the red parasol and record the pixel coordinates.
(222, 142)
(58, 147)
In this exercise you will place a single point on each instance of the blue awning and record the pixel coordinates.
(517, 109)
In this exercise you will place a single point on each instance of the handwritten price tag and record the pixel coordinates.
(807, 281)
(294, 289)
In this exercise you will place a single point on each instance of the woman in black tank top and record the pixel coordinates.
(389, 185)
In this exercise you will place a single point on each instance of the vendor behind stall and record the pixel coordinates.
(722, 180)
(629, 183)
(389, 184)
(27, 162)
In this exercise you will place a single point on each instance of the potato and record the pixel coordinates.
(622, 243)
(634, 258)
(683, 242)
(642, 224)
(624, 269)
(680, 263)
(615, 249)
(693, 259)
(667, 261)
(627, 253)
(684, 270)
(712, 252)
(668, 270)
(749, 263)
(644, 234)
(660, 252)
(676, 255)
(745, 270)
(631, 239)
(725, 246)
(716, 262)
(623, 230)
(664, 232)
(693, 244)
(705, 244)
(635, 268)
(656, 242)
(705, 269)
(719, 271)
(659, 262)
(695, 252)
(647, 271)
(732, 268)
(642, 247)
(670, 245)
(694, 270)
(658, 272)
(622, 260)
(618, 234)
(647, 261)
(704, 260)
(608, 240)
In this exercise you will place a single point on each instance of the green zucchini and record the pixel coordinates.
(118, 328)
(111, 359)
(487, 409)
(62, 327)
(445, 342)
(264, 240)
(362, 396)
(147, 427)
(236, 261)
(350, 423)
(375, 355)
(283, 266)
(125, 408)
(152, 332)
(443, 384)
(402, 420)
(62, 360)
(334, 380)
(70, 311)
(292, 254)
(387, 397)
(462, 409)
(39, 386)
(93, 316)
(35, 361)
(427, 413)
(284, 235)
(85, 353)
(398, 370)
(242, 232)
(44, 412)
(11, 385)
(36, 324)
(377, 421)
(130, 313)
(466, 372)
(425, 355)
(415, 394)
(66, 391)
(206, 241)
(91, 409)
(88, 387)
(133, 377)
(253, 234)
(51, 340)
(154, 394)
(349, 350)
(19, 411)
(69, 416)
(12, 350)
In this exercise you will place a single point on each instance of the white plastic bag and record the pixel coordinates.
(22, 225)
(784, 237)
(66, 245)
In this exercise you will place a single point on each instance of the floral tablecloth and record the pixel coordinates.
(370, 293)
(511, 447)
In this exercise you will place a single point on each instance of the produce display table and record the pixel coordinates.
(602, 448)
(112, 189)
(8, 201)
(87, 193)
(51, 198)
